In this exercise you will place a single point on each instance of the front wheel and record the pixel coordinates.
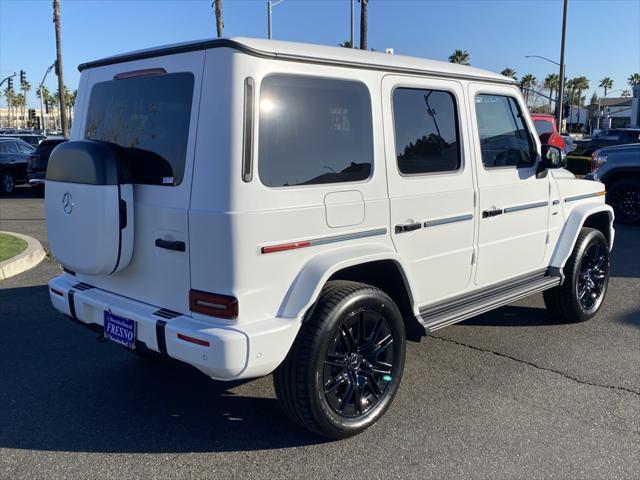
(581, 295)
(624, 198)
(346, 364)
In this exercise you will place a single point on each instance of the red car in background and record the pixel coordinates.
(547, 130)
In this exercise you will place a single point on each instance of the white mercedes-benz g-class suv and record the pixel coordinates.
(251, 206)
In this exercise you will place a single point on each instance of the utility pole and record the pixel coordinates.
(217, 5)
(352, 21)
(364, 24)
(560, 103)
(61, 103)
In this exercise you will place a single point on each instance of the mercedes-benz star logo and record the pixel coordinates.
(67, 203)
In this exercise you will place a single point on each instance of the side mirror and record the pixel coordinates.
(553, 157)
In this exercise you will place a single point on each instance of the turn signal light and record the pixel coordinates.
(214, 305)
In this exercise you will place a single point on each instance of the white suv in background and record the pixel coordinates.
(251, 206)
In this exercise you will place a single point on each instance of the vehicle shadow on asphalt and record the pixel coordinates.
(513, 316)
(62, 391)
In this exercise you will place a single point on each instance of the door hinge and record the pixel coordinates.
(547, 240)
(473, 258)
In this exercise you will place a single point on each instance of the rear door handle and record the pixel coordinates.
(175, 245)
(492, 213)
(408, 227)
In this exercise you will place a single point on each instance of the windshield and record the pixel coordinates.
(149, 117)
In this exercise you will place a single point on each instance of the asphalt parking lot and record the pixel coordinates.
(509, 394)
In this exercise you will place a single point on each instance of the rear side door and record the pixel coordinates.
(430, 182)
(513, 201)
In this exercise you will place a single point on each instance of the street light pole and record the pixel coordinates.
(270, 5)
(561, 87)
(42, 122)
(352, 20)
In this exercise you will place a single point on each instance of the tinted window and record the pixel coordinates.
(426, 130)
(504, 138)
(630, 136)
(24, 147)
(149, 118)
(4, 147)
(8, 147)
(45, 148)
(542, 126)
(313, 131)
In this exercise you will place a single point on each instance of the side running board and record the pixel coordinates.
(443, 314)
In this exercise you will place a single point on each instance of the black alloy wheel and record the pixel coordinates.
(592, 278)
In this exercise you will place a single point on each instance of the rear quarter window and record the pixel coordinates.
(313, 131)
(149, 118)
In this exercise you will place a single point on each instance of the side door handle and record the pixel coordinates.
(176, 245)
(408, 227)
(492, 213)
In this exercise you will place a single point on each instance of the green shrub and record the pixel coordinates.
(579, 165)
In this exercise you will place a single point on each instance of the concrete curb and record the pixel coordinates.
(29, 258)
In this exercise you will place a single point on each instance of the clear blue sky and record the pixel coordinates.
(603, 36)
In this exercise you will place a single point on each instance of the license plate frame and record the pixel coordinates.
(120, 330)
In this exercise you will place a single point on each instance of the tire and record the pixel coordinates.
(346, 363)
(581, 295)
(7, 182)
(624, 197)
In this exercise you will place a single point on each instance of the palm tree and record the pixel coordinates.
(217, 8)
(63, 112)
(626, 94)
(364, 23)
(582, 83)
(634, 80)
(460, 57)
(9, 94)
(526, 83)
(508, 72)
(551, 83)
(19, 103)
(346, 44)
(25, 87)
(607, 84)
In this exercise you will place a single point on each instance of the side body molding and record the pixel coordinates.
(306, 287)
(572, 227)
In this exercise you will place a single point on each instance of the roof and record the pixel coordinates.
(316, 54)
(615, 102)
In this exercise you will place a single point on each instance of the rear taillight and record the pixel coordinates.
(212, 304)
(598, 159)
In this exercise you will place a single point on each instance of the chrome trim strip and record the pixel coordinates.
(525, 207)
(581, 197)
(348, 236)
(444, 221)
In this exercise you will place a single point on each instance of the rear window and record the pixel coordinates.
(45, 148)
(542, 126)
(313, 131)
(149, 118)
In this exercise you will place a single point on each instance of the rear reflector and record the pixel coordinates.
(197, 341)
(57, 292)
(214, 305)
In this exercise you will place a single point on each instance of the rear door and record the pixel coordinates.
(150, 108)
(430, 183)
(513, 202)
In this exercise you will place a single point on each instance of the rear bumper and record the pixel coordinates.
(232, 351)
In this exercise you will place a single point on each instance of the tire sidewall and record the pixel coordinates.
(593, 237)
(375, 300)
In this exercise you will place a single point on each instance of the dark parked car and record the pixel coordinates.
(37, 166)
(607, 138)
(32, 139)
(14, 155)
(619, 169)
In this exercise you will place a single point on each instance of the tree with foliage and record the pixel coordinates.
(551, 83)
(346, 44)
(594, 99)
(582, 83)
(460, 57)
(634, 80)
(607, 84)
(526, 84)
(508, 72)
(25, 87)
(9, 94)
(626, 94)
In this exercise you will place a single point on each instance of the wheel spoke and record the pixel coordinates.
(382, 345)
(360, 335)
(335, 360)
(348, 339)
(336, 381)
(373, 385)
(346, 398)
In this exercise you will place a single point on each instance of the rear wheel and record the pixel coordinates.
(7, 182)
(346, 364)
(624, 198)
(586, 279)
